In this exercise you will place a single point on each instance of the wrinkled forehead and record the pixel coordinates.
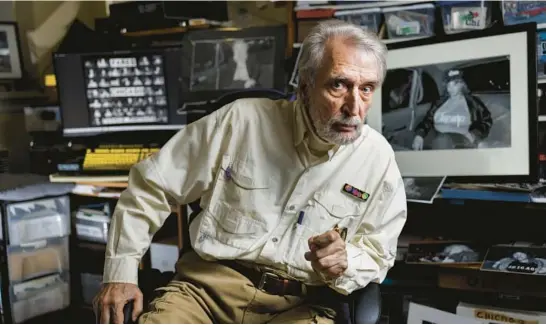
(354, 64)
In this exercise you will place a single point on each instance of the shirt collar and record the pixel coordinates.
(299, 123)
(304, 130)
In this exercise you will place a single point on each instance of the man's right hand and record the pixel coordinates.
(113, 297)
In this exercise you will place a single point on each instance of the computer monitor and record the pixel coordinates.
(220, 61)
(131, 90)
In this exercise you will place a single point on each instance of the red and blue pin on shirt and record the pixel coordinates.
(355, 192)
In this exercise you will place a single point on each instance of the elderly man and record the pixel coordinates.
(302, 202)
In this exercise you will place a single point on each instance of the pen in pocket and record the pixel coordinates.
(300, 217)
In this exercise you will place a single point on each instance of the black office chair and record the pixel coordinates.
(362, 306)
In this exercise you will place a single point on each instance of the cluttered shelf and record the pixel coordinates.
(468, 277)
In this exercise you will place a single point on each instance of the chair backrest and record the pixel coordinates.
(249, 93)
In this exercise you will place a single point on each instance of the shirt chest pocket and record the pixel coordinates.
(336, 208)
(237, 212)
(241, 185)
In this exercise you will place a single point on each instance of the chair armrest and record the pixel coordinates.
(366, 305)
(128, 313)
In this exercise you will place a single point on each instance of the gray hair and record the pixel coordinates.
(314, 46)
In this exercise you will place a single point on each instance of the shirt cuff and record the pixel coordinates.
(121, 270)
(349, 281)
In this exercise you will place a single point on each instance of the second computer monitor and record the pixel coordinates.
(217, 62)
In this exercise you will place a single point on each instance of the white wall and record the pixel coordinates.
(6, 11)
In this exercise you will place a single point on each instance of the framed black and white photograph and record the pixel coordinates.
(516, 259)
(462, 106)
(10, 52)
(445, 252)
(422, 189)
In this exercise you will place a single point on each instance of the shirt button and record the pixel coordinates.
(275, 239)
(292, 208)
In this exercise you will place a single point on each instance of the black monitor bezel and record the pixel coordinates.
(278, 32)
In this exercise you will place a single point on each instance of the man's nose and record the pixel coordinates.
(353, 103)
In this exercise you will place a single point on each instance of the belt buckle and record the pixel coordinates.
(264, 277)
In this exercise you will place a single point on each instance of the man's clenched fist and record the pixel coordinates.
(327, 254)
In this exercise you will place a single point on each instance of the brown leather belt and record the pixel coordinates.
(274, 284)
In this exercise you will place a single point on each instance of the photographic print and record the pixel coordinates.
(444, 252)
(448, 107)
(541, 94)
(516, 259)
(240, 63)
(10, 57)
(126, 89)
(422, 189)
(452, 105)
(5, 60)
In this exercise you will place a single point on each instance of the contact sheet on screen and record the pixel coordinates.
(126, 89)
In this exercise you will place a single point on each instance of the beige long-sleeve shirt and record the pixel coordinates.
(256, 165)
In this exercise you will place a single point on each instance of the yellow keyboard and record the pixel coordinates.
(115, 158)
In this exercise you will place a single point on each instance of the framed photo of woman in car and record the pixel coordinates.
(462, 106)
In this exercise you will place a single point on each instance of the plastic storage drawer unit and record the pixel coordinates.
(38, 219)
(462, 16)
(519, 12)
(541, 54)
(410, 21)
(367, 19)
(92, 227)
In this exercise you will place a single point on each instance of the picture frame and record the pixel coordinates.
(423, 93)
(11, 66)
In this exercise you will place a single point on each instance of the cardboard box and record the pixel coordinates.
(494, 315)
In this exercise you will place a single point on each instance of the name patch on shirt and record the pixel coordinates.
(355, 192)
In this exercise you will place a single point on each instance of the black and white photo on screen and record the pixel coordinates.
(10, 54)
(452, 105)
(5, 60)
(241, 63)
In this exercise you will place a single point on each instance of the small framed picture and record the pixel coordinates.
(10, 52)
(445, 252)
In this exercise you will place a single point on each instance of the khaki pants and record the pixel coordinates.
(207, 292)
